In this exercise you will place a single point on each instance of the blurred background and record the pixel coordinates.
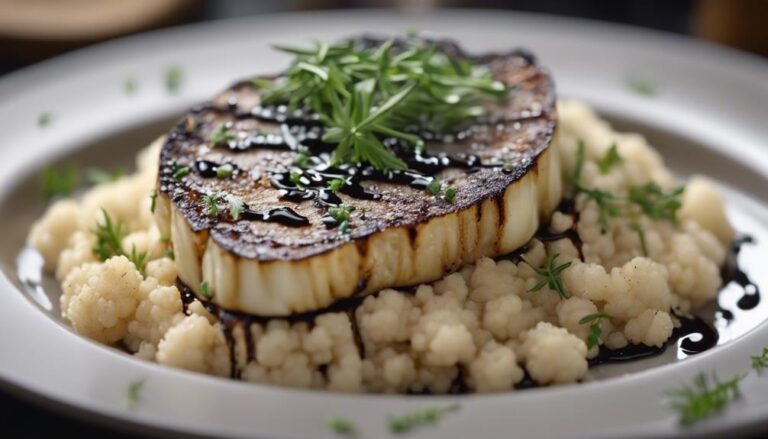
(33, 30)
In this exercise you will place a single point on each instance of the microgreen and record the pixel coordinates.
(343, 427)
(336, 184)
(211, 202)
(225, 171)
(133, 394)
(551, 276)
(450, 195)
(180, 171)
(434, 187)
(702, 399)
(173, 76)
(222, 134)
(364, 93)
(341, 215)
(595, 330)
(760, 362)
(430, 416)
(58, 182)
(610, 159)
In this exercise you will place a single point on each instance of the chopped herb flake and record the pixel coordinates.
(173, 77)
(610, 159)
(205, 290)
(760, 362)
(343, 427)
(129, 86)
(551, 276)
(58, 182)
(641, 87)
(211, 205)
(641, 234)
(100, 176)
(44, 119)
(222, 135)
(133, 394)
(225, 171)
(236, 207)
(336, 184)
(595, 330)
(434, 187)
(450, 195)
(153, 201)
(429, 416)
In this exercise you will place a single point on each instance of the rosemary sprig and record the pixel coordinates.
(429, 416)
(551, 276)
(702, 399)
(109, 237)
(760, 362)
(595, 330)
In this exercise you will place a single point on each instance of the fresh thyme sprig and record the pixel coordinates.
(100, 176)
(365, 93)
(760, 362)
(429, 416)
(551, 276)
(595, 330)
(343, 427)
(109, 237)
(702, 399)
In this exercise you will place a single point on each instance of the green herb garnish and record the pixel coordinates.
(205, 290)
(169, 253)
(610, 159)
(164, 238)
(655, 202)
(173, 76)
(139, 259)
(222, 134)
(129, 86)
(595, 331)
(211, 205)
(133, 394)
(302, 157)
(342, 427)
(551, 276)
(450, 195)
(225, 171)
(434, 187)
(44, 119)
(153, 201)
(109, 237)
(336, 184)
(641, 87)
(341, 215)
(236, 206)
(429, 416)
(100, 176)
(760, 362)
(363, 94)
(58, 182)
(702, 399)
(180, 171)
(641, 233)
(295, 178)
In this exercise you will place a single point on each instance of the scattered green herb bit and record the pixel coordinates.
(109, 236)
(133, 394)
(594, 328)
(341, 213)
(211, 205)
(222, 135)
(58, 182)
(760, 362)
(641, 233)
(364, 93)
(139, 259)
(450, 195)
(336, 184)
(702, 399)
(434, 187)
(236, 206)
(655, 202)
(129, 86)
(169, 253)
(302, 157)
(224, 171)
(342, 426)
(551, 276)
(430, 416)
(153, 201)
(173, 76)
(295, 178)
(205, 290)
(610, 159)
(641, 87)
(165, 238)
(99, 176)
(44, 119)
(180, 171)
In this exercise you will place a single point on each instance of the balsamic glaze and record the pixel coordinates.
(733, 273)
(283, 215)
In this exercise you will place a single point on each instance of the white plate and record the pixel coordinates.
(710, 111)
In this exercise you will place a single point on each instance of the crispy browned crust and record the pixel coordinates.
(518, 132)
